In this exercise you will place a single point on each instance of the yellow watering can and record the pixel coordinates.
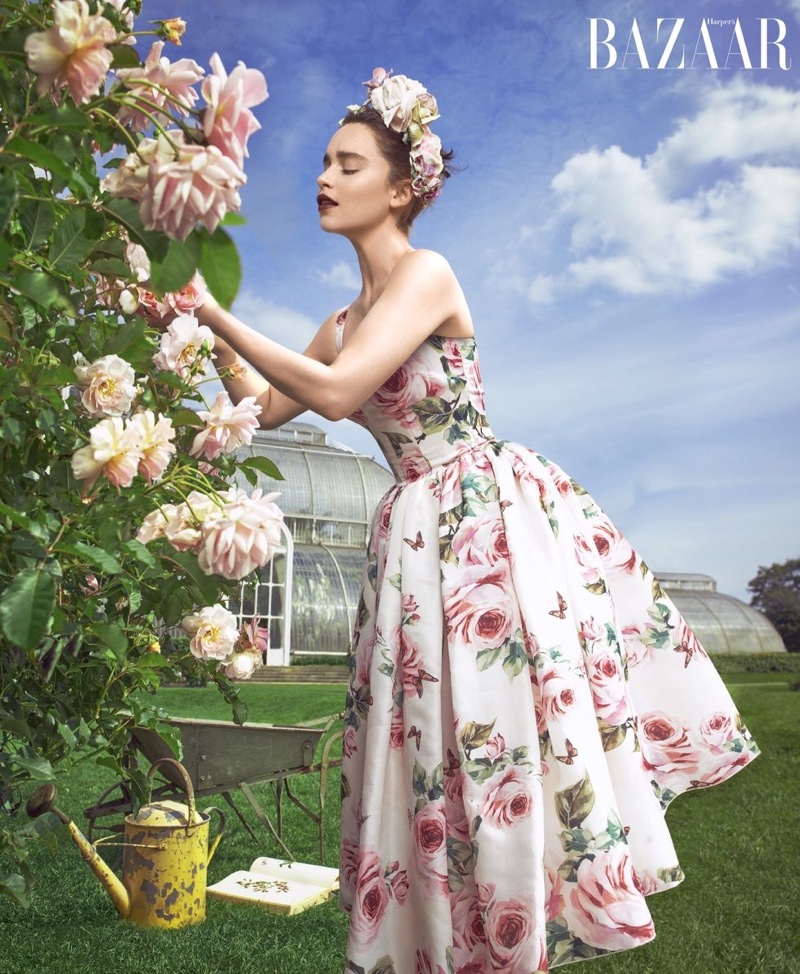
(165, 856)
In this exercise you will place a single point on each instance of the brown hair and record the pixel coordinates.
(397, 154)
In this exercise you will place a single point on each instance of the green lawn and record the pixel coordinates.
(736, 912)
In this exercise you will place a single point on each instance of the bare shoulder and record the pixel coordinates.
(425, 269)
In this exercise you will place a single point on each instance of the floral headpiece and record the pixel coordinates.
(409, 108)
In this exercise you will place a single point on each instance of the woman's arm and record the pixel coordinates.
(420, 296)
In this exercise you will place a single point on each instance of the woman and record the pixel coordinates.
(524, 700)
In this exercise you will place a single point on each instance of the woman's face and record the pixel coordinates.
(354, 188)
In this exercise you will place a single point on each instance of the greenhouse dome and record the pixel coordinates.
(308, 593)
(722, 623)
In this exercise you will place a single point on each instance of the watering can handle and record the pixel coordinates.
(215, 841)
(187, 782)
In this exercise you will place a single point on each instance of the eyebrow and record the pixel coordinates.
(344, 155)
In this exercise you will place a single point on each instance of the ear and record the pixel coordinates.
(401, 194)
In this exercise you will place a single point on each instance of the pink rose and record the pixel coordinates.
(468, 924)
(397, 731)
(182, 345)
(150, 85)
(384, 517)
(587, 559)
(227, 426)
(481, 611)
(608, 911)
(201, 185)
(447, 487)
(423, 963)
(413, 467)
(666, 746)
(182, 302)
(72, 53)
(615, 552)
(214, 632)
(607, 682)
(481, 541)
(554, 890)
(430, 846)
(370, 898)
(591, 631)
(349, 747)
(495, 747)
(457, 821)
(244, 537)
(408, 663)
(558, 694)
(403, 389)
(507, 800)
(716, 730)
(636, 651)
(112, 451)
(227, 121)
(154, 437)
(108, 386)
(129, 180)
(398, 883)
(514, 944)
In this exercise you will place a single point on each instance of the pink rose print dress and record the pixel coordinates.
(524, 703)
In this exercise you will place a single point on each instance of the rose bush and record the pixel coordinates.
(115, 183)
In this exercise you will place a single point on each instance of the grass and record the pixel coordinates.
(735, 913)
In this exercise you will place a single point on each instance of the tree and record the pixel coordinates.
(117, 514)
(776, 593)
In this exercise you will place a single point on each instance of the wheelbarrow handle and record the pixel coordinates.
(187, 783)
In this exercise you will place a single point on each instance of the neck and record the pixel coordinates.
(378, 252)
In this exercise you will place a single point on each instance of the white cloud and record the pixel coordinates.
(285, 325)
(637, 229)
(341, 275)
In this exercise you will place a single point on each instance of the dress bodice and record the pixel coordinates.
(430, 410)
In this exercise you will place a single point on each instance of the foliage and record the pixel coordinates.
(776, 593)
(82, 601)
(756, 662)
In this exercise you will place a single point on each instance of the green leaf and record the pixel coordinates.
(13, 885)
(8, 197)
(37, 767)
(112, 635)
(40, 287)
(124, 56)
(70, 244)
(220, 265)
(125, 337)
(37, 221)
(263, 465)
(434, 412)
(613, 736)
(232, 219)
(574, 804)
(49, 160)
(63, 117)
(208, 585)
(474, 735)
(111, 267)
(126, 213)
(93, 555)
(177, 268)
(26, 607)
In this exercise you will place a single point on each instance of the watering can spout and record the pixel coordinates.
(41, 801)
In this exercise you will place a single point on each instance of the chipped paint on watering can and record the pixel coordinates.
(165, 858)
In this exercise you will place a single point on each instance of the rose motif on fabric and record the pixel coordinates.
(481, 541)
(558, 693)
(607, 682)
(507, 801)
(514, 945)
(480, 612)
(666, 746)
(608, 910)
(430, 846)
(614, 550)
(370, 898)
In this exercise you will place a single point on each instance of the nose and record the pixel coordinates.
(323, 179)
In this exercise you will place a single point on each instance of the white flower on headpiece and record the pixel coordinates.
(396, 100)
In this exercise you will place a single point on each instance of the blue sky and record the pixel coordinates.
(628, 238)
